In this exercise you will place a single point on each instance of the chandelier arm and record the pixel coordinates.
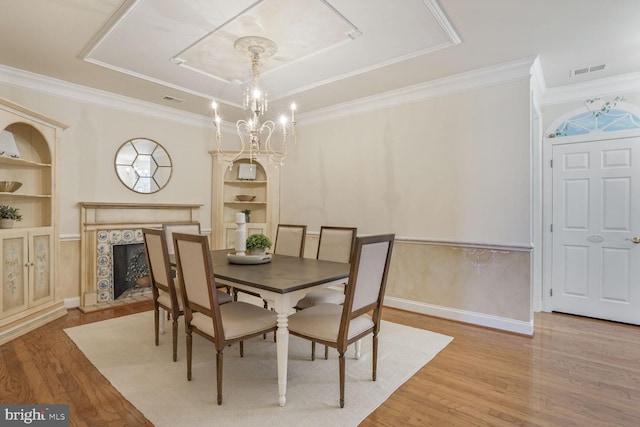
(278, 156)
(228, 156)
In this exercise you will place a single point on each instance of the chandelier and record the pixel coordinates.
(255, 135)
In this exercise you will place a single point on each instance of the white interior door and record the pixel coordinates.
(596, 218)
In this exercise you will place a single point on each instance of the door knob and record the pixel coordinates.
(635, 240)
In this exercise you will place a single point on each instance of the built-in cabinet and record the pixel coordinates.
(227, 185)
(28, 273)
(26, 270)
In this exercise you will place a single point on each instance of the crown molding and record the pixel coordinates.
(52, 86)
(483, 77)
(538, 84)
(609, 86)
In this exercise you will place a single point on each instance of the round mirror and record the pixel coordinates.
(143, 165)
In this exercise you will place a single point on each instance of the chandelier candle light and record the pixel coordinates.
(251, 132)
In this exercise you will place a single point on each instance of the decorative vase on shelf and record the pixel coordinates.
(6, 223)
(240, 234)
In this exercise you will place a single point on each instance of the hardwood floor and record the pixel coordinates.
(573, 372)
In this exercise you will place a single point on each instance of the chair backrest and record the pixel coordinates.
(367, 281)
(197, 283)
(290, 240)
(155, 246)
(336, 243)
(170, 228)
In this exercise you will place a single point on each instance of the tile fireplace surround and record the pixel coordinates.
(105, 224)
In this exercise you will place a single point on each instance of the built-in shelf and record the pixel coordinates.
(29, 250)
(234, 202)
(26, 196)
(22, 162)
(226, 186)
(243, 181)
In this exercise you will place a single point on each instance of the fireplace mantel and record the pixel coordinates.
(104, 216)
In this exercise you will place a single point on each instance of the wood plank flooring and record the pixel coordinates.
(574, 372)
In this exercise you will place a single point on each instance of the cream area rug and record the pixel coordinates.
(123, 350)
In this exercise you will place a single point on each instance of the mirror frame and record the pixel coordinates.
(152, 153)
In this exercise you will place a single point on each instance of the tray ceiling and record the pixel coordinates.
(189, 44)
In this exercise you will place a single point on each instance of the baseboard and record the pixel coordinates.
(480, 319)
(32, 321)
(72, 302)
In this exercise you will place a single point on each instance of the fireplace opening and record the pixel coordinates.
(130, 272)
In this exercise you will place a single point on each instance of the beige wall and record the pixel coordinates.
(454, 168)
(89, 144)
(68, 270)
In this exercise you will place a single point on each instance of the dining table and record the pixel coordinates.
(282, 282)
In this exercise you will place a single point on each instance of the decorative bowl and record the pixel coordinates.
(9, 186)
(245, 197)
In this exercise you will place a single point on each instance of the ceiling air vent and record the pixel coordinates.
(172, 98)
(586, 70)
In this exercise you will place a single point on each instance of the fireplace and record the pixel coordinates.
(108, 225)
(130, 271)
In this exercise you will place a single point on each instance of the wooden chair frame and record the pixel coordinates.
(213, 311)
(162, 280)
(349, 313)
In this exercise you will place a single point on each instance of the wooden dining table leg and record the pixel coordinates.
(282, 306)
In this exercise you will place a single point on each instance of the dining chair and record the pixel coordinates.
(170, 228)
(165, 289)
(335, 244)
(290, 240)
(338, 326)
(191, 228)
(165, 294)
(204, 315)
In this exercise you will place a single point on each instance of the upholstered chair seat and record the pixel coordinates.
(335, 244)
(321, 296)
(322, 322)
(221, 324)
(339, 326)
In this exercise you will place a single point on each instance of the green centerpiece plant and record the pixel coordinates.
(258, 243)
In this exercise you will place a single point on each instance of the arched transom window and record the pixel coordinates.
(599, 117)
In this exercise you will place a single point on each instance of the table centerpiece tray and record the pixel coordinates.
(248, 259)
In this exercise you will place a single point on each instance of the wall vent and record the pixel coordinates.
(586, 70)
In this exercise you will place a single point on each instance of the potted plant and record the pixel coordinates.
(257, 244)
(137, 270)
(8, 215)
(247, 214)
